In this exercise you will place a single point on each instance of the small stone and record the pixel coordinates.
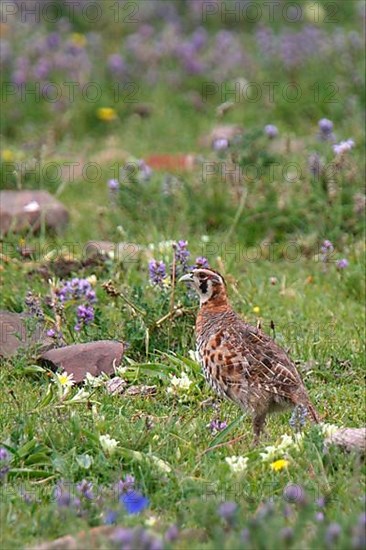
(27, 210)
(116, 385)
(141, 390)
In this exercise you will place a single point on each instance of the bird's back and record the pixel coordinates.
(243, 363)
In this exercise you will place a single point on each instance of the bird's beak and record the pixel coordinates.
(188, 278)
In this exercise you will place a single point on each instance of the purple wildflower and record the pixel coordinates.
(326, 249)
(53, 40)
(110, 517)
(319, 516)
(326, 130)
(4, 455)
(342, 264)
(227, 510)
(51, 333)
(85, 316)
(3, 471)
(125, 484)
(157, 272)
(85, 488)
(343, 147)
(202, 262)
(62, 496)
(315, 165)
(33, 305)
(172, 533)
(144, 171)
(217, 426)
(294, 493)
(76, 289)
(123, 537)
(298, 417)
(134, 501)
(320, 502)
(271, 131)
(116, 63)
(182, 254)
(113, 184)
(332, 533)
(220, 144)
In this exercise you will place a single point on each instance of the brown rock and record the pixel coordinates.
(79, 359)
(28, 209)
(15, 335)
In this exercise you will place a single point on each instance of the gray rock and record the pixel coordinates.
(28, 209)
(15, 335)
(79, 359)
(349, 439)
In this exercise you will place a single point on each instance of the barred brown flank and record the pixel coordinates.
(239, 361)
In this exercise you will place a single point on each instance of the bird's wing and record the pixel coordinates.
(248, 355)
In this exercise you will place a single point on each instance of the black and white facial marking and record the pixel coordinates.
(205, 282)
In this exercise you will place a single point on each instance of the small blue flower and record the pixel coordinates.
(110, 517)
(134, 502)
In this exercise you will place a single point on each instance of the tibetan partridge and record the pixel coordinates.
(239, 361)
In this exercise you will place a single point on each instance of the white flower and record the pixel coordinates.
(328, 429)
(92, 279)
(81, 395)
(181, 383)
(161, 464)
(150, 521)
(237, 464)
(286, 442)
(64, 382)
(108, 444)
(343, 146)
(269, 453)
(93, 381)
(120, 371)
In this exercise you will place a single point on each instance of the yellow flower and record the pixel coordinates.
(78, 39)
(256, 309)
(65, 380)
(107, 114)
(7, 155)
(279, 465)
